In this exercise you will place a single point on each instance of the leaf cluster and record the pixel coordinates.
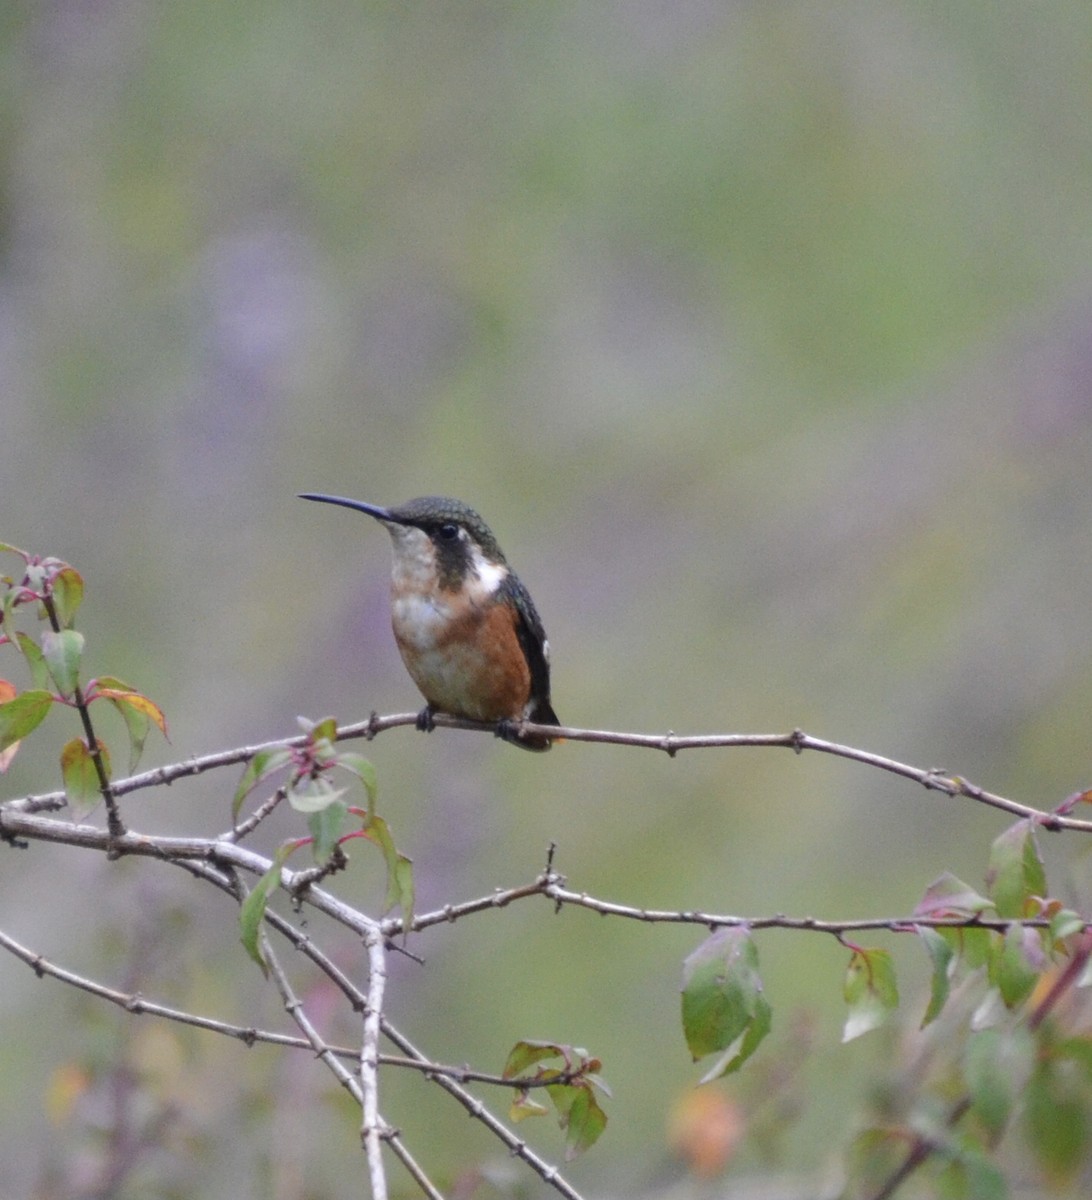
(53, 590)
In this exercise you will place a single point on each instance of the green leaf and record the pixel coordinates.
(62, 652)
(1065, 923)
(312, 795)
(81, 778)
(21, 715)
(523, 1106)
(261, 766)
(400, 886)
(252, 910)
(942, 957)
(580, 1116)
(996, 1067)
(974, 946)
(358, 765)
(971, 1175)
(7, 548)
(724, 1009)
(1011, 968)
(324, 731)
(67, 589)
(137, 725)
(1078, 1049)
(1015, 873)
(39, 672)
(874, 1155)
(8, 601)
(573, 1095)
(990, 1012)
(870, 991)
(528, 1051)
(1056, 1117)
(327, 824)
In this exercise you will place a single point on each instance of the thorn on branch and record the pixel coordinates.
(397, 948)
(799, 741)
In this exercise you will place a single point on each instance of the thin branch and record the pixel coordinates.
(94, 748)
(500, 898)
(252, 822)
(294, 1007)
(134, 1003)
(300, 884)
(932, 778)
(249, 1035)
(517, 1146)
(562, 896)
(372, 1128)
(216, 858)
(187, 850)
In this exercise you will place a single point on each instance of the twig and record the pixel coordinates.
(608, 908)
(932, 778)
(300, 883)
(94, 749)
(516, 1146)
(372, 1128)
(294, 1007)
(252, 822)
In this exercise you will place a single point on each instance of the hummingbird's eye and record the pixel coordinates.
(448, 532)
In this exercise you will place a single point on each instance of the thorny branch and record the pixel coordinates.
(932, 778)
(218, 860)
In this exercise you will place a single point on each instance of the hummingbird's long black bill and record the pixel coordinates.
(373, 510)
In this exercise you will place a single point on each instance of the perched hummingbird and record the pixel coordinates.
(466, 627)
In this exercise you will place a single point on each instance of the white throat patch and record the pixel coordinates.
(490, 574)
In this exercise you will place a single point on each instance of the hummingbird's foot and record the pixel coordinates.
(425, 723)
(510, 729)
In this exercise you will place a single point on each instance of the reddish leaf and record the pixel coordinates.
(948, 896)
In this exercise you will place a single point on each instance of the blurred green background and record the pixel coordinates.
(761, 334)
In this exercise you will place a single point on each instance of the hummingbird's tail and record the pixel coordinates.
(541, 714)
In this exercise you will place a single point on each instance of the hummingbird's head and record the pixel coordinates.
(437, 542)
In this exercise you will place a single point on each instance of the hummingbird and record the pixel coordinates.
(466, 627)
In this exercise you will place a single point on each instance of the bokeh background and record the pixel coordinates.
(761, 334)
